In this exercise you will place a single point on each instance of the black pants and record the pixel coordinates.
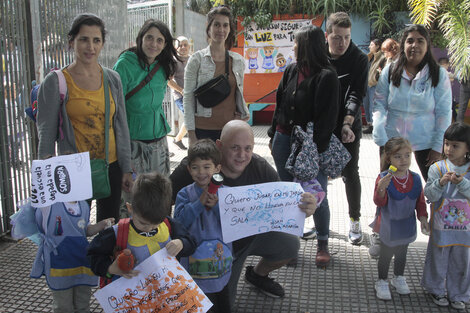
(109, 207)
(208, 133)
(386, 254)
(351, 179)
(220, 300)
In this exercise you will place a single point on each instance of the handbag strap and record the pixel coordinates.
(106, 116)
(144, 82)
(227, 56)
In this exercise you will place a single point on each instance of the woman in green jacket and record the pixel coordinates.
(147, 123)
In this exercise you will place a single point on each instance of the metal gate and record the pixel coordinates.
(34, 40)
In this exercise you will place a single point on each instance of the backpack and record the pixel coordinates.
(32, 111)
(121, 243)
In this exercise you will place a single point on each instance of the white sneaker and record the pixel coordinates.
(400, 285)
(374, 249)
(355, 232)
(383, 290)
(439, 300)
(309, 233)
(458, 305)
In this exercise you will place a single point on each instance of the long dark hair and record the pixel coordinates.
(311, 50)
(428, 57)
(225, 11)
(167, 58)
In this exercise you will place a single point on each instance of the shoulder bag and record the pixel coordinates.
(99, 167)
(215, 90)
(144, 82)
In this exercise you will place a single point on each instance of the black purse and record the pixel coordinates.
(215, 90)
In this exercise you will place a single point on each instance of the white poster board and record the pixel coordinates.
(163, 285)
(256, 209)
(271, 49)
(61, 179)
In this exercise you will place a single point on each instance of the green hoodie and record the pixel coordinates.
(145, 115)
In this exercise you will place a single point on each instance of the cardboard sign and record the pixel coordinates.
(256, 209)
(61, 179)
(162, 286)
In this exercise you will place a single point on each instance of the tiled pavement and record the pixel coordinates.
(347, 285)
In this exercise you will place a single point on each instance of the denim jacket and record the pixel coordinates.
(416, 110)
(199, 70)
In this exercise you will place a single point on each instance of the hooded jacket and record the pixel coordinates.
(145, 115)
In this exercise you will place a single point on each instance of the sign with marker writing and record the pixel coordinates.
(61, 179)
(256, 209)
(161, 286)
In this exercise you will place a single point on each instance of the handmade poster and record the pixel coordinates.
(60, 179)
(256, 209)
(271, 49)
(162, 286)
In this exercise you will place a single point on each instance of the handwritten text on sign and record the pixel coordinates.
(162, 286)
(278, 33)
(60, 179)
(256, 209)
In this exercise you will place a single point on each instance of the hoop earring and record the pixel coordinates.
(467, 156)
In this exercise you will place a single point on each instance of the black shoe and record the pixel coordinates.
(265, 284)
(309, 233)
(368, 130)
(180, 145)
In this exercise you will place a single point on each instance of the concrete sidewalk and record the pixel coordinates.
(347, 285)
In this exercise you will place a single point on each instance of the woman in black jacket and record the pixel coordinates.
(308, 92)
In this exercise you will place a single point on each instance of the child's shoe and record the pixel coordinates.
(458, 305)
(439, 300)
(383, 290)
(400, 285)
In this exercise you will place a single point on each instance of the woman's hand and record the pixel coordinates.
(127, 182)
(433, 157)
(192, 137)
(308, 203)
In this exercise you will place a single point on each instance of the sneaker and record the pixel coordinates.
(172, 154)
(374, 249)
(180, 145)
(355, 232)
(439, 300)
(400, 285)
(309, 233)
(322, 259)
(382, 290)
(368, 130)
(458, 305)
(265, 284)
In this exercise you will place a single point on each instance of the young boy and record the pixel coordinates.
(148, 230)
(197, 209)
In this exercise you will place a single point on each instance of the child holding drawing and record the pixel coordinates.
(149, 229)
(61, 257)
(197, 209)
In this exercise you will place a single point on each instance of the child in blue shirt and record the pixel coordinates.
(198, 210)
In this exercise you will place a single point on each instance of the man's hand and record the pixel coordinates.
(308, 203)
(347, 135)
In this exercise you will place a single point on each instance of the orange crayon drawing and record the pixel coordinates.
(171, 294)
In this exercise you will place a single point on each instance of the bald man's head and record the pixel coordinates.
(236, 145)
(234, 126)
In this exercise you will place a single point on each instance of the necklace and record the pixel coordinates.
(402, 184)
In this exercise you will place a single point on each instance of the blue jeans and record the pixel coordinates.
(281, 151)
(368, 103)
